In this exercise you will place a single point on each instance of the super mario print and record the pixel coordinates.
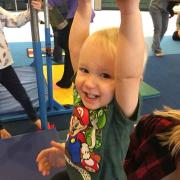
(85, 135)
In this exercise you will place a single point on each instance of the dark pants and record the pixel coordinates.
(57, 52)
(10, 80)
(61, 176)
(63, 39)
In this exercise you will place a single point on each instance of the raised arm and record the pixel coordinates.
(79, 30)
(13, 21)
(130, 56)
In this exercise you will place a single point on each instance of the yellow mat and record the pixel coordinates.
(62, 96)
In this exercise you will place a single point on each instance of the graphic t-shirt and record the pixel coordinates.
(97, 142)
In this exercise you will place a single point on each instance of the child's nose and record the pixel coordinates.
(91, 81)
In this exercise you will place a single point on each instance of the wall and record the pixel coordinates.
(110, 5)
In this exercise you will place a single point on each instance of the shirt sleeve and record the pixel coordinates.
(9, 19)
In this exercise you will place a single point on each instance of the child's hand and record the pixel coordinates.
(128, 6)
(51, 157)
(4, 134)
(36, 4)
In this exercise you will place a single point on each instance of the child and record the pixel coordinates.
(154, 147)
(8, 77)
(109, 66)
(160, 18)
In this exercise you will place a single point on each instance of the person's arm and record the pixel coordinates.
(11, 20)
(79, 30)
(130, 56)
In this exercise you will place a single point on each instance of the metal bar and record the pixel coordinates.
(15, 3)
(39, 66)
(48, 55)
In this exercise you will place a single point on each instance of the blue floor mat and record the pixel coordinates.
(164, 75)
(168, 45)
(27, 76)
(18, 155)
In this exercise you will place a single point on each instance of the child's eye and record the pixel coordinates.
(84, 70)
(106, 76)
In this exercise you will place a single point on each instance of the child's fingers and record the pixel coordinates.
(59, 146)
(36, 5)
(45, 171)
(39, 157)
(42, 155)
(44, 167)
(43, 161)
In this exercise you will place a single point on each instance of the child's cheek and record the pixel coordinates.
(78, 84)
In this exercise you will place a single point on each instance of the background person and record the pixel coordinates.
(8, 77)
(160, 18)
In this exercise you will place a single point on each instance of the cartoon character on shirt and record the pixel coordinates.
(77, 145)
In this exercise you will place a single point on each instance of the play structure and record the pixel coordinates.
(32, 78)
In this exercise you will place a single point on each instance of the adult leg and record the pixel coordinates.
(157, 22)
(165, 21)
(63, 39)
(12, 83)
(57, 52)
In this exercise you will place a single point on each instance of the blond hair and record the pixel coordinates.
(170, 138)
(107, 38)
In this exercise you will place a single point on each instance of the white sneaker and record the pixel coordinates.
(159, 54)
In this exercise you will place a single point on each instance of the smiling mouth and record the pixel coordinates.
(91, 96)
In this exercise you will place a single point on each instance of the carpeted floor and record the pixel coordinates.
(164, 75)
(168, 45)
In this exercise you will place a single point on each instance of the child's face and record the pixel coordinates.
(95, 76)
